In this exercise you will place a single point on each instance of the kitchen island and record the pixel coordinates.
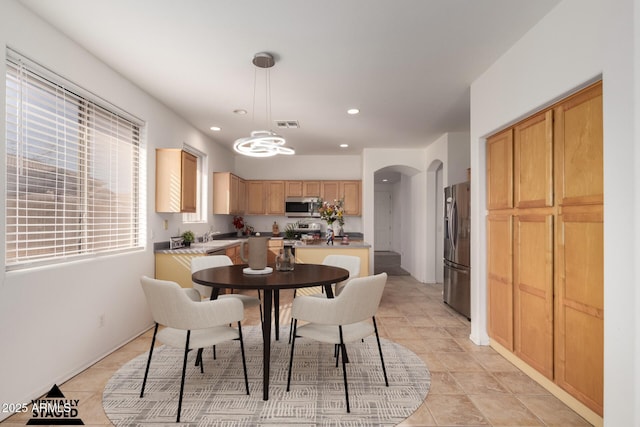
(316, 252)
(175, 264)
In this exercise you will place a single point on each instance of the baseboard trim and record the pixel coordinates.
(573, 403)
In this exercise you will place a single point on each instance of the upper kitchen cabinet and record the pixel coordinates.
(275, 197)
(347, 191)
(176, 180)
(255, 197)
(229, 194)
(533, 161)
(265, 197)
(302, 189)
(578, 148)
(500, 170)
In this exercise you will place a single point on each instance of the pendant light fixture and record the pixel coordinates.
(262, 143)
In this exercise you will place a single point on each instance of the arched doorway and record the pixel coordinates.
(393, 211)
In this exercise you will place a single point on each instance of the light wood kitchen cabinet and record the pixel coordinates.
(330, 191)
(533, 290)
(176, 180)
(578, 148)
(229, 194)
(579, 326)
(233, 253)
(256, 197)
(293, 189)
(500, 278)
(347, 191)
(500, 170)
(553, 321)
(273, 249)
(311, 189)
(533, 161)
(303, 189)
(275, 197)
(265, 197)
(351, 196)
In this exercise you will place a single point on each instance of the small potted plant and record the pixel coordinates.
(188, 237)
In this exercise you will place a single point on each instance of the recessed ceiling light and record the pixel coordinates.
(385, 180)
(215, 128)
(344, 145)
(353, 111)
(240, 111)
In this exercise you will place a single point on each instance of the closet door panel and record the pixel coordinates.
(578, 148)
(579, 330)
(500, 171)
(533, 161)
(533, 291)
(500, 279)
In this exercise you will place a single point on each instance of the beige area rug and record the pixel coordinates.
(218, 397)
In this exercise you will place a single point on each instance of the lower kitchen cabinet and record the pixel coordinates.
(234, 253)
(273, 249)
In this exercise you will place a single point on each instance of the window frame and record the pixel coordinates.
(200, 215)
(107, 164)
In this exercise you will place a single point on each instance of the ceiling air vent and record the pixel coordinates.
(287, 124)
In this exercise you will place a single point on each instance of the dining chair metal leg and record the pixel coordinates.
(199, 361)
(260, 307)
(293, 343)
(291, 326)
(146, 371)
(384, 370)
(244, 360)
(184, 369)
(344, 369)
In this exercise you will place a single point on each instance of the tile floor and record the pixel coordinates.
(470, 385)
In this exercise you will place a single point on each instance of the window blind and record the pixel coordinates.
(73, 171)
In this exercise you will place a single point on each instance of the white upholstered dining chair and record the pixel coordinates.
(200, 263)
(348, 262)
(347, 318)
(190, 323)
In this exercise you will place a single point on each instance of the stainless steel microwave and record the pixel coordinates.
(301, 207)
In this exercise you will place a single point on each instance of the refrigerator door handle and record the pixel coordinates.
(453, 221)
(459, 269)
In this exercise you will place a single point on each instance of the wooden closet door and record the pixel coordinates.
(500, 170)
(533, 161)
(579, 331)
(500, 278)
(533, 291)
(578, 143)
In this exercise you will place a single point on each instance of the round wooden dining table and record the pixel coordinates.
(302, 276)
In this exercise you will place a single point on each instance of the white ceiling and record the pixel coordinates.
(406, 64)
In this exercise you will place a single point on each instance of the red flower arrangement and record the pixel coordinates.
(238, 222)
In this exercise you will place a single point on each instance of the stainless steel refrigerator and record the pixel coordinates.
(457, 265)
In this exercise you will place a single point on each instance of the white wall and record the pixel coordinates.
(458, 157)
(418, 195)
(49, 316)
(570, 47)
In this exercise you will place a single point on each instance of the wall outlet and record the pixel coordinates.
(165, 224)
(101, 321)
